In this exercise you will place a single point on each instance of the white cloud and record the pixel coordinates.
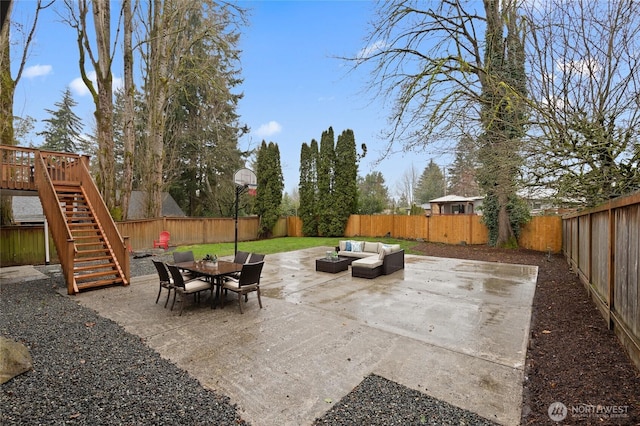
(586, 67)
(269, 129)
(80, 89)
(37, 71)
(368, 51)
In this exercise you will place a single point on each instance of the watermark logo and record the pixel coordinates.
(557, 411)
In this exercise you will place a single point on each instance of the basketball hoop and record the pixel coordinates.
(244, 179)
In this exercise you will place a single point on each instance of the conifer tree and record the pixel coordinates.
(345, 183)
(431, 183)
(462, 174)
(326, 167)
(270, 186)
(308, 188)
(63, 129)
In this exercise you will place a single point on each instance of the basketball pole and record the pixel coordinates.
(239, 190)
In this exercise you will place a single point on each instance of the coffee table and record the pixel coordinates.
(333, 265)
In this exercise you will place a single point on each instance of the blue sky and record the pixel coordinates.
(294, 85)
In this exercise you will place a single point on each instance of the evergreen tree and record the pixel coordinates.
(325, 182)
(62, 131)
(308, 188)
(431, 183)
(346, 182)
(270, 186)
(373, 194)
(462, 174)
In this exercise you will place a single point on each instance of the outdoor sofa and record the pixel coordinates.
(371, 259)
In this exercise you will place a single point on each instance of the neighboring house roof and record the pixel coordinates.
(29, 210)
(169, 206)
(454, 199)
(537, 193)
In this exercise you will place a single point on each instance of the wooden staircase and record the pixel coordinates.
(91, 251)
(94, 263)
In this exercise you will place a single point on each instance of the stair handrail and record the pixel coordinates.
(102, 214)
(62, 238)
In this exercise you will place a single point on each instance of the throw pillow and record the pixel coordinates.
(347, 246)
(383, 252)
(356, 246)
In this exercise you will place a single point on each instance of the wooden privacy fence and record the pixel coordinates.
(603, 246)
(191, 230)
(543, 233)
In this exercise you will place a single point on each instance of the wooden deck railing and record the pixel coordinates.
(17, 168)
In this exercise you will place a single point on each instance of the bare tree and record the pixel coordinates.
(8, 84)
(101, 57)
(129, 112)
(585, 86)
(449, 69)
(406, 187)
(170, 33)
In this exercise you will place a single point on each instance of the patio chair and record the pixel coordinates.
(194, 286)
(248, 282)
(165, 280)
(184, 256)
(162, 241)
(241, 257)
(255, 257)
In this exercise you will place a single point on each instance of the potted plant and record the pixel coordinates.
(210, 260)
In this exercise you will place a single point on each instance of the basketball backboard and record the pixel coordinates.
(245, 178)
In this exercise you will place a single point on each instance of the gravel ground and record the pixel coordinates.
(88, 370)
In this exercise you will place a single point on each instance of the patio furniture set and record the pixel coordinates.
(367, 259)
(187, 276)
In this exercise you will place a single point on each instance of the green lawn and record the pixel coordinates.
(278, 245)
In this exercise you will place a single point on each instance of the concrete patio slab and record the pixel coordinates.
(18, 274)
(454, 329)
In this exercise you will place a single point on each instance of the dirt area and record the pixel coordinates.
(573, 358)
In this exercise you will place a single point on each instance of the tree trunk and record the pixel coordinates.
(156, 100)
(7, 89)
(129, 113)
(104, 105)
(506, 237)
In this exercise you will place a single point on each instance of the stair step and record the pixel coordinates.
(97, 238)
(95, 266)
(93, 251)
(101, 283)
(83, 225)
(90, 259)
(66, 186)
(96, 274)
(89, 244)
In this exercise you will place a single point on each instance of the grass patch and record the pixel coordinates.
(284, 244)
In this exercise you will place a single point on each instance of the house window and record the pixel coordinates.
(457, 209)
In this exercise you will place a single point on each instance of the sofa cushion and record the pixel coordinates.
(358, 255)
(367, 262)
(393, 247)
(371, 247)
(384, 251)
(356, 246)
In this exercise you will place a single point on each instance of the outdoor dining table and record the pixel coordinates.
(215, 271)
